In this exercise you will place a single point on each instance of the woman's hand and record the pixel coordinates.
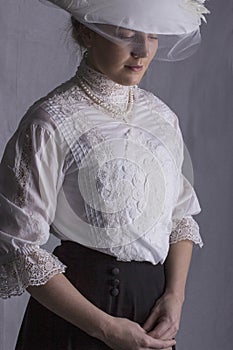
(164, 319)
(124, 334)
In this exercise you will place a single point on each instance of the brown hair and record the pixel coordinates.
(77, 32)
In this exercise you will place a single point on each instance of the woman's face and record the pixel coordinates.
(125, 61)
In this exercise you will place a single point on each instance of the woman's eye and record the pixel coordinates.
(133, 36)
(125, 36)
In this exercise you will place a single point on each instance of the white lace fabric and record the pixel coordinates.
(48, 183)
(186, 228)
(30, 266)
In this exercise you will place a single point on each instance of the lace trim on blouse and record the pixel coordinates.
(24, 170)
(29, 266)
(187, 228)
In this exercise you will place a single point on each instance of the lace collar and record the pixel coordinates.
(103, 87)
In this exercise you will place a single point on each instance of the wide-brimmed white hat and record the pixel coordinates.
(177, 22)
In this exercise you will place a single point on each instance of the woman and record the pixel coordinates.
(99, 162)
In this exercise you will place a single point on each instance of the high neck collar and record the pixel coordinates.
(103, 87)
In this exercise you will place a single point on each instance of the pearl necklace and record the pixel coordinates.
(115, 112)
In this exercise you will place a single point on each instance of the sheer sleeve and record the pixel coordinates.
(31, 173)
(183, 224)
(187, 204)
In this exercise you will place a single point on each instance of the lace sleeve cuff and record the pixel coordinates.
(29, 266)
(187, 228)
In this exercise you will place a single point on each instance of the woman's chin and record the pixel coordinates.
(130, 79)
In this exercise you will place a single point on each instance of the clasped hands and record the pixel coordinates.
(164, 319)
(157, 332)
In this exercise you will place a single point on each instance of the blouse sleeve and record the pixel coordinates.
(31, 174)
(183, 224)
(187, 204)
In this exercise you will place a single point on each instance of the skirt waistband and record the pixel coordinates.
(75, 252)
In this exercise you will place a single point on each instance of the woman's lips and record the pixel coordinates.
(135, 68)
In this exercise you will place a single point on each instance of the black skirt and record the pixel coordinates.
(122, 289)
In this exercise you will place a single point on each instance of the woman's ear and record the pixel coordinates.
(87, 36)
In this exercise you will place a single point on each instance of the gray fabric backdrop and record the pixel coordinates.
(36, 56)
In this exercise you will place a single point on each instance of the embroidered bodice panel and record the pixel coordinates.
(76, 170)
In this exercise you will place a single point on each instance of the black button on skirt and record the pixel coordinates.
(122, 289)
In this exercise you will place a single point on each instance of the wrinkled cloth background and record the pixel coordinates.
(37, 54)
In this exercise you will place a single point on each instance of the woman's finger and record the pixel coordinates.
(159, 349)
(159, 343)
(170, 333)
(163, 327)
(150, 322)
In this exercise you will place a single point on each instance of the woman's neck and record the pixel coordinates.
(103, 87)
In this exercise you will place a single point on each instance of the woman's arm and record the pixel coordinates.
(177, 267)
(163, 322)
(62, 298)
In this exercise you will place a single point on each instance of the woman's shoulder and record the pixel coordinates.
(157, 105)
(59, 104)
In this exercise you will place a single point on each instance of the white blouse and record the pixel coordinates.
(87, 175)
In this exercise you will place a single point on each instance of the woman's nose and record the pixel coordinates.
(140, 50)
